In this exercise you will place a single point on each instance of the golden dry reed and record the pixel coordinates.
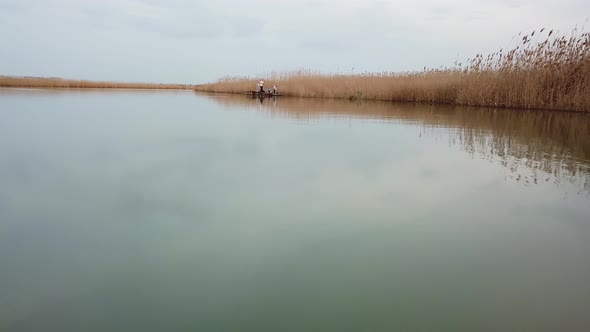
(54, 82)
(544, 71)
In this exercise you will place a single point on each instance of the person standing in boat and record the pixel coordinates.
(274, 89)
(261, 86)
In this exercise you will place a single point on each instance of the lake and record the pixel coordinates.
(177, 211)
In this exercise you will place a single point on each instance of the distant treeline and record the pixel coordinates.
(56, 82)
(543, 71)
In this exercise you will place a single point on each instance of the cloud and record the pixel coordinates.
(10, 6)
(199, 40)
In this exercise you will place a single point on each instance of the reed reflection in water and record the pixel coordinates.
(532, 146)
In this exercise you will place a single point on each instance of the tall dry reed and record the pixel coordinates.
(544, 71)
(54, 82)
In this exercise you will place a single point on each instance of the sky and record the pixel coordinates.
(197, 41)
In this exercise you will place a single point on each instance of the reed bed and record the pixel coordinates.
(60, 83)
(544, 71)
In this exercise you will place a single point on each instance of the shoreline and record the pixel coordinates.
(60, 83)
(288, 95)
(91, 88)
(408, 102)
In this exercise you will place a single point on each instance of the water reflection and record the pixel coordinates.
(154, 210)
(533, 146)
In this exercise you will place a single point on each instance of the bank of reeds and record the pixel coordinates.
(544, 71)
(60, 83)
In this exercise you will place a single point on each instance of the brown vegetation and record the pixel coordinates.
(54, 82)
(550, 72)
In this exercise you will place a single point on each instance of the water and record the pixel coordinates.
(176, 211)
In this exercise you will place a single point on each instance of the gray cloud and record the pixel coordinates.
(196, 41)
(10, 6)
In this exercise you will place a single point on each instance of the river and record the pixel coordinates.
(127, 210)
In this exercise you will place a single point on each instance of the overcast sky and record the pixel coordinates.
(195, 41)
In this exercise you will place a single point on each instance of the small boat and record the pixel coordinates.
(263, 94)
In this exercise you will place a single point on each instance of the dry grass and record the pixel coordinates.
(54, 82)
(545, 71)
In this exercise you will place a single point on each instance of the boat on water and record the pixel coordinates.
(263, 94)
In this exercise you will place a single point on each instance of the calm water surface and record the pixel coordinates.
(175, 211)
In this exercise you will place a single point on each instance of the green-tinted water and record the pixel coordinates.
(174, 211)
